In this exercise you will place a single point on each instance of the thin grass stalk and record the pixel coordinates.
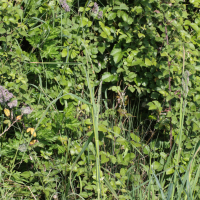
(95, 117)
(182, 112)
(95, 114)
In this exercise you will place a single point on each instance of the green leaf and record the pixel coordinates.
(84, 21)
(138, 9)
(81, 9)
(163, 92)
(103, 35)
(105, 28)
(196, 97)
(129, 157)
(197, 67)
(148, 62)
(64, 52)
(83, 194)
(135, 144)
(111, 15)
(117, 130)
(121, 7)
(130, 58)
(2, 30)
(155, 105)
(121, 141)
(117, 54)
(170, 171)
(152, 106)
(163, 155)
(104, 159)
(108, 77)
(26, 174)
(110, 188)
(140, 35)
(125, 17)
(113, 159)
(156, 165)
(135, 137)
(102, 128)
(123, 172)
(88, 122)
(195, 27)
(120, 158)
(88, 187)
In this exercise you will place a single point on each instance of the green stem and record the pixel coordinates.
(182, 113)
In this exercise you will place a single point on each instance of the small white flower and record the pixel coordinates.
(26, 110)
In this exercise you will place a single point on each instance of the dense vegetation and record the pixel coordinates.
(100, 100)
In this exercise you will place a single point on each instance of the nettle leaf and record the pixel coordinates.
(117, 54)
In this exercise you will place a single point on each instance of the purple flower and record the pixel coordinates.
(26, 110)
(12, 104)
(100, 14)
(95, 5)
(95, 8)
(64, 5)
(5, 95)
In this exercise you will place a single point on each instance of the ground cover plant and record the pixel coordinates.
(99, 100)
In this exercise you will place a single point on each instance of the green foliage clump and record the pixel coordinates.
(105, 99)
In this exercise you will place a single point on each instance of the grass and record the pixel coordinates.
(139, 180)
